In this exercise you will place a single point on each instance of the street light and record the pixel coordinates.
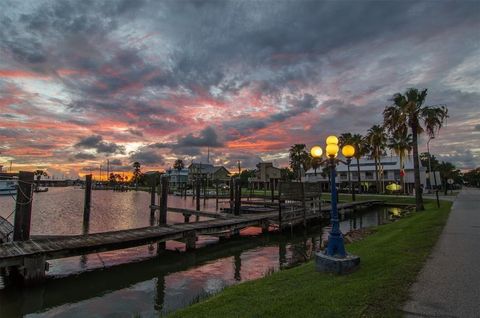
(348, 151)
(335, 247)
(430, 171)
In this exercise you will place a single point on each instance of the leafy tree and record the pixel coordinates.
(401, 144)
(377, 140)
(472, 177)
(178, 165)
(286, 174)
(406, 114)
(246, 174)
(448, 171)
(299, 157)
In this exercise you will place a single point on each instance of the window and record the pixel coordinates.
(368, 175)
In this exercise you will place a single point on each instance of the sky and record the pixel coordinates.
(154, 81)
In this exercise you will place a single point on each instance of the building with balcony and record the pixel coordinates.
(389, 172)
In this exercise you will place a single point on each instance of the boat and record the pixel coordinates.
(40, 190)
(8, 187)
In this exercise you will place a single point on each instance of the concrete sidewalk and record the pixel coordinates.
(449, 283)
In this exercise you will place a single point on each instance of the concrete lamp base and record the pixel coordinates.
(329, 264)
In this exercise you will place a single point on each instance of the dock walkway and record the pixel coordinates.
(15, 253)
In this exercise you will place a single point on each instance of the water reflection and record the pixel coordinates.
(146, 282)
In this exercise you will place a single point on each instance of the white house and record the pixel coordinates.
(177, 177)
(389, 172)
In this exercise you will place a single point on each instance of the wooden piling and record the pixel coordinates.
(23, 207)
(238, 196)
(232, 192)
(162, 220)
(197, 189)
(153, 182)
(272, 188)
(190, 240)
(88, 198)
(216, 195)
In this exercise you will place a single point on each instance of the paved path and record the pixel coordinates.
(449, 284)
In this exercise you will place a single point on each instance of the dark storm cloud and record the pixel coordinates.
(297, 106)
(147, 157)
(84, 156)
(96, 142)
(206, 138)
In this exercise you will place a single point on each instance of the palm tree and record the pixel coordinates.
(376, 139)
(447, 171)
(136, 173)
(401, 144)
(39, 174)
(347, 139)
(361, 149)
(178, 165)
(406, 113)
(299, 157)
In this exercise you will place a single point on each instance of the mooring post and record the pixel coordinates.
(153, 183)
(205, 184)
(186, 217)
(272, 188)
(162, 220)
(190, 240)
(216, 195)
(88, 199)
(23, 207)
(162, 217)
(232, 191)
(238, 196)
(197, 189)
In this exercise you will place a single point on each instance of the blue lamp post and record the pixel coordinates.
(335, 247)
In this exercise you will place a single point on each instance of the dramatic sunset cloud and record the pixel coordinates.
(152, 81)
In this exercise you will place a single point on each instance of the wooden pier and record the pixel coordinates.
(28, 255)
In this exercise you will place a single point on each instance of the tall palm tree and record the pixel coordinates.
(299, 157)
(401, 144)
(377, 140)
(136, 173)
(347, 139)
(406, 114)
(39, 174)
(361, 149)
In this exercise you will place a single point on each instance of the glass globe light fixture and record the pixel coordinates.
(316, 152)
(348, 151)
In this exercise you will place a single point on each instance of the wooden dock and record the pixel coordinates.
(26, 255)
(15, 253)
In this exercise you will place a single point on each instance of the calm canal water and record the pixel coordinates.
(137, 281)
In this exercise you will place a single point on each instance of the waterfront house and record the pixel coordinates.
(389, 172)
(177, 177)
(209, 172)
(264, 173)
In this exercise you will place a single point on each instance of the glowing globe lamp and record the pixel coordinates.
(332, 150)
(316, 152)
(348, 151)
(332, 140)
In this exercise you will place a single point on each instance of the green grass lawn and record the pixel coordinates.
(390, 261)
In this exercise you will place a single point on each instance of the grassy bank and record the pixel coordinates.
(390, 260)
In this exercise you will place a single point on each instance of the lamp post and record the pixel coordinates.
(430, 171)
(335, 247)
